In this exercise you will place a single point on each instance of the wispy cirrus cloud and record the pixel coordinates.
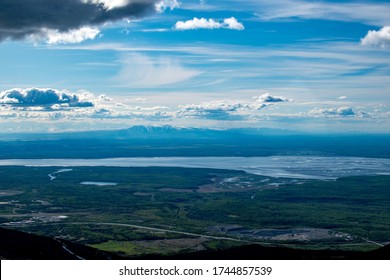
(143, 71)
(365, 12)
(316, 70)
(369, 13)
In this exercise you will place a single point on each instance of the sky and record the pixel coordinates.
(320, 66)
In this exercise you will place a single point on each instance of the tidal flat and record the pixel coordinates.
(307, 167)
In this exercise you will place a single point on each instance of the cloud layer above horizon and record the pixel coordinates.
(52, 104)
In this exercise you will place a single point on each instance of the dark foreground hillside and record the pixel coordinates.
(258, 252)
(18, 245)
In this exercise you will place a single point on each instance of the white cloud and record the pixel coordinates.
(203, 23)
(197, 23)
(52, 36)
(154, 108)
(232, 23)
(214, 111)
(104, 97)
(342, 97)
(141, 71)
(136, 99)
(167, 4)
(151, 114)
(5, 99)
(220, 110)
(267, 98)
(109, 4)
(379, 38)
(363, 114)
(342, 112)
(102, 112)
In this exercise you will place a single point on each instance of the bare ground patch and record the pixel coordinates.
(294, 234)
(9, 192)
(173, 245)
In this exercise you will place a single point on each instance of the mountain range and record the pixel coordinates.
(157, 141)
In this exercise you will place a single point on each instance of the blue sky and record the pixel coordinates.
(300, 65)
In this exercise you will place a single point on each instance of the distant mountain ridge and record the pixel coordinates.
(141, 131)
(167, 141)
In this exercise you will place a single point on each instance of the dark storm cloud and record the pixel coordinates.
(42, 97)
(20, 18)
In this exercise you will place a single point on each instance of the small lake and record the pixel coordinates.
(100, 184)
